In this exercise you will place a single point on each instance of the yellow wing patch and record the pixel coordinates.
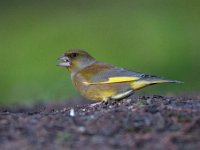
(114, 80)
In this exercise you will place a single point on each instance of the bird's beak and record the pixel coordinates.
(64, 61)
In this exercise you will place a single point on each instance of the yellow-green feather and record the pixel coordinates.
(114, 80)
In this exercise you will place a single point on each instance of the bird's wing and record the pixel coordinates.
(113, 80)
(101, 73)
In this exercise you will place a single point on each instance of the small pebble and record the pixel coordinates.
(72, 112)
(128, 100)
(110, 106)
(81, 129)
(130, 107)
(148, 101)
(92, 117)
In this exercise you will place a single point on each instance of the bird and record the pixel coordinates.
(99, 81)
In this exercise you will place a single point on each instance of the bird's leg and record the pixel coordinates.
(104, 101)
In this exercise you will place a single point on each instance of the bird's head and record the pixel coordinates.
(76, 60)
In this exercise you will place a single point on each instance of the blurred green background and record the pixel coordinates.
(155, 37)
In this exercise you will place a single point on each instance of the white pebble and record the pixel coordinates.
(72, 112)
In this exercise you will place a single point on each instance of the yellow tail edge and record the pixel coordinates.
(136, 85)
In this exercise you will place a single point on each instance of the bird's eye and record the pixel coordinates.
(73, 55)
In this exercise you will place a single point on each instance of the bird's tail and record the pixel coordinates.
(150, 80)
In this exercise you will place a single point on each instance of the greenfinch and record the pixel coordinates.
(100, 81)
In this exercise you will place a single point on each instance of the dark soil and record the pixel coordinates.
(145, 123)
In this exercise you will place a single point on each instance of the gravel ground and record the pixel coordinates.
(143, 123)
